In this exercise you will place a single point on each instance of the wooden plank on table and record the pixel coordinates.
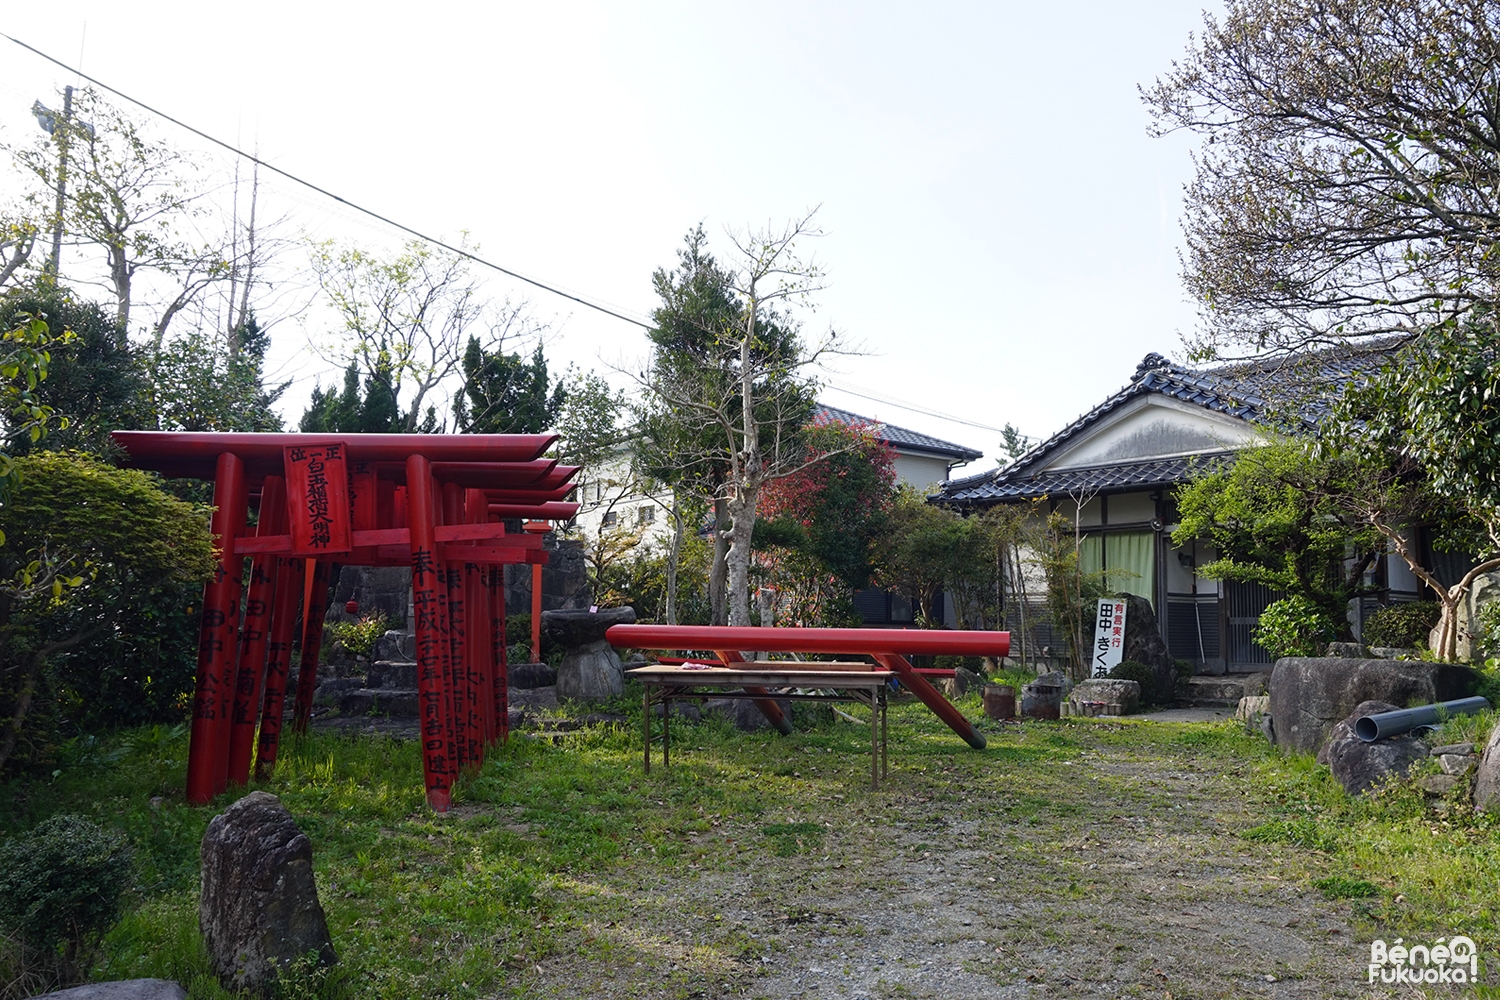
(737, 677)
(851, 666)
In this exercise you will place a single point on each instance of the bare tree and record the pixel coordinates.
(130, 195)
(406, 319)
(17, 239)
(1348, 182)
(742, 390)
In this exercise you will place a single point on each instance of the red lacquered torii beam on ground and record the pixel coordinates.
(429, 501)
(888, 647)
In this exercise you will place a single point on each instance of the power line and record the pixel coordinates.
(876, 397)
(329, 194)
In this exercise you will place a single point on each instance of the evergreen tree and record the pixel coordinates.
(93, 381)
(502, 394)
(369, 410)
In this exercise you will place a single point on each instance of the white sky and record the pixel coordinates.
(1001, 232)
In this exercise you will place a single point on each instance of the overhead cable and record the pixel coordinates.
(876, 397)
(329, 194)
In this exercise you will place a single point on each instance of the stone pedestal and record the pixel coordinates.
(590, 669)
(591, 672)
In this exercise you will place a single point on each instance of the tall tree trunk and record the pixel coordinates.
(1449, 598)
(31, 676)
(742, 524)
(119, 273)
(718, 573)
(674, 556)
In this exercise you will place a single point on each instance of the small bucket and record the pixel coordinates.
(999, 701)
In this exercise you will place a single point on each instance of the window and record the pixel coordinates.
(648, 514)
(609, 519)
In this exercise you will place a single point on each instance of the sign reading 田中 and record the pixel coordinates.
(1109, 635)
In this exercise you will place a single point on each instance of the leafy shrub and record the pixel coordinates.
(1154, 691)
(517, 629)
(60, 884)
(1294, 626)
(974, 664)
(359, 636)
(1401, 624)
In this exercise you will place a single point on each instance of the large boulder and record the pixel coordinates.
(591, 672)
(962, 682)
(1309, 695)
(259, 908)
(1484, 590)
(743, 712)
(1361, 766)
(1144, 645)
(1487, 778)
(122, 989)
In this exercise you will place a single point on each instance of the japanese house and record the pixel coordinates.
(1122, 462)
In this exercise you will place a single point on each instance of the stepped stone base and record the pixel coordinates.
(380, 701)
(1221, 690)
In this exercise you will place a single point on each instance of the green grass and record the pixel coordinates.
(530, 863)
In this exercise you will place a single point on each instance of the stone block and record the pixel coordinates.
(1487, 777)
(1459, 764)
(1115, 697)
(527, 676)
(391, 674)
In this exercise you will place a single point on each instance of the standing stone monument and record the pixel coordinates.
(259, 908)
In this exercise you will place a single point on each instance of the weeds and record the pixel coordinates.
(550, 845)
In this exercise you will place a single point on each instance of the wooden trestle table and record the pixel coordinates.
(758, 680)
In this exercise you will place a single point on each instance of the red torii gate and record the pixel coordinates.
(434, 502)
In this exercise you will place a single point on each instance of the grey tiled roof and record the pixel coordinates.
(991, 487)
(1289, 391)
(899, 437)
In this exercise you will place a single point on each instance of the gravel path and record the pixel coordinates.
(1012, 884)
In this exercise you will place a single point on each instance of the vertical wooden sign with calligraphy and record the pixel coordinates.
(317, 498)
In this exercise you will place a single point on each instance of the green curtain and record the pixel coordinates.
(1090, 555)
(1130, 560)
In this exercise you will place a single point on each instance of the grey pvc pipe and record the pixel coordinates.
(1382, 724)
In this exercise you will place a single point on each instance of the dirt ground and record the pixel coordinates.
(1094, 871)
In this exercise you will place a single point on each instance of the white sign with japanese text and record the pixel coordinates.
(1109, 635)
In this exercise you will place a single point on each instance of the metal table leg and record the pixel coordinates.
(885, 743)
(646, 725)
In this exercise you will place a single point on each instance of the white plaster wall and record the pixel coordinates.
(921, 472)
(1153, 427)
(1131, 508)
(1090, 517)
